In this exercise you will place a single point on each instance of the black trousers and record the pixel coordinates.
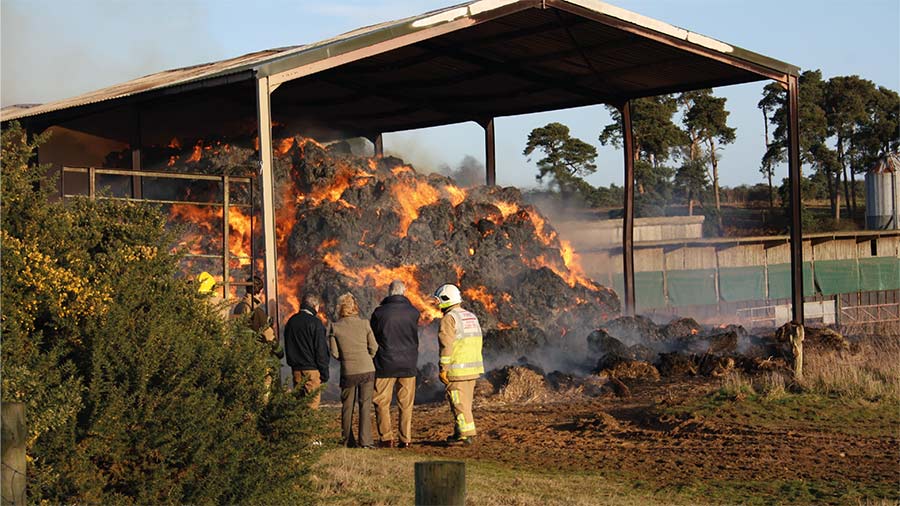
(351, 396)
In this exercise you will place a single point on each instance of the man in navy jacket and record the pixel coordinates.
(306, 348)
(396, 326)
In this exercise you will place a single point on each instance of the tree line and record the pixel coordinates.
(846, 124)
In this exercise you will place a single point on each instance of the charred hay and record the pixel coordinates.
(361, 222)
(633, 330)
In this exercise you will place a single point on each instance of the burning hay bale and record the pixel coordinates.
(354, 224)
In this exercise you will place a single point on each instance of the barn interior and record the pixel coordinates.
(181, 138)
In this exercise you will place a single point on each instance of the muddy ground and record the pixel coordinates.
(668, 435)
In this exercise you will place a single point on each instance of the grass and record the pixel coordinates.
(840, 393)
(873, 374)
(387, 477)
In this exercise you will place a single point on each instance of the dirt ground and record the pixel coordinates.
(663, 436)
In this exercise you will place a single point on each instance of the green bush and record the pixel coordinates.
(136, 390)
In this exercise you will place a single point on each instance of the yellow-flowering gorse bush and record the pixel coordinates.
(131, 396)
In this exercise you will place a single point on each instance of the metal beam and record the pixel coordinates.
(794, 176)
(136, 189)
(516, 70)
(379, 145)
(490, 154)
(628, 224)
(264, 123)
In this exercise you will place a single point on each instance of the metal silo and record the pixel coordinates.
(882, 193)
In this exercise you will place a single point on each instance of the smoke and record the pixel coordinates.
(55, 50)
(468, 173)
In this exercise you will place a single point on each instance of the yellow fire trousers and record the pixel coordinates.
(460, 395)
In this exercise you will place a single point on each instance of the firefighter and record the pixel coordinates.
(461, 363)
(260, 325)
(205, 283)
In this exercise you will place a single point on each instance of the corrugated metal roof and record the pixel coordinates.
(284, 61)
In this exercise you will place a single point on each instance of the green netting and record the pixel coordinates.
(780, 281)
(692, 288)
(742, 283)
(879, 273)
(836, 276)
(649, 291)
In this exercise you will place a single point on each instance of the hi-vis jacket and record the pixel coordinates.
(460, 345)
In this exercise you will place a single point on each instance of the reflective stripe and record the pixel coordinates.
(454, 397)
(446, 360)
(470, 365)
(463, 426)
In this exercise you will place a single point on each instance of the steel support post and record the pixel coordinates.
(264, 122)
(628, 221)
(794, 176)
(490, 154)
(136, 189)
(379, 145)
(796, 332)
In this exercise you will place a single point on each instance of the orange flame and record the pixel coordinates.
(197, 153)
(400, 169)
(328, 243)
(481, 294)
(284, 145)
(411, 196)
(457, 195)
(382, 276)
(508, 326)
(507, 208)
(239, 231)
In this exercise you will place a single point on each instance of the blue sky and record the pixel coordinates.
(53, 49)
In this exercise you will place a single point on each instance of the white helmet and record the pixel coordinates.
(447, 295)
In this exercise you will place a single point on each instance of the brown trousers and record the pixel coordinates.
(460, 395)
(309, 380)
(360, 394)
(406, 395)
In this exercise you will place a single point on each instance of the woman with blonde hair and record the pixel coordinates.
(354, 345)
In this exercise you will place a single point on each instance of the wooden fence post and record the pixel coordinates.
(14, 433)
(440, 483)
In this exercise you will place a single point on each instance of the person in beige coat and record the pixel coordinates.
(354, 345)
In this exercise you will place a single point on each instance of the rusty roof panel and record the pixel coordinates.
(543, 53)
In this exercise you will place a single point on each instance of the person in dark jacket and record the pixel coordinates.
(306, 346)
(396, 326)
